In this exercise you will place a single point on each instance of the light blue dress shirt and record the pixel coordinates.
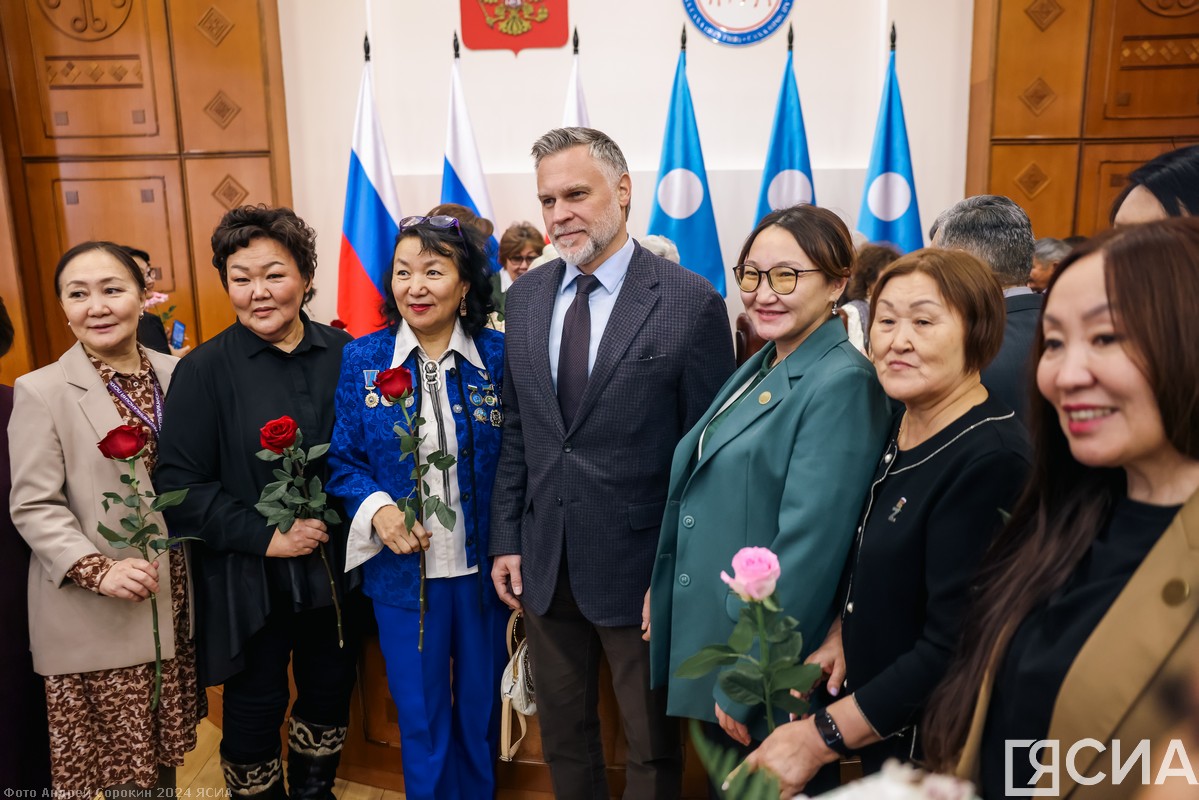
(611, 276)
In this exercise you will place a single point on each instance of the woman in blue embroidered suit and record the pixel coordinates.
(437, 308)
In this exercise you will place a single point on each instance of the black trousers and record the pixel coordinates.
(565, 650)
(255, 699)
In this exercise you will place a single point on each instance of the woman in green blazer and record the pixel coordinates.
(782, 459)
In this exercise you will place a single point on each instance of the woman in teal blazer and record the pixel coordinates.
(782, 459)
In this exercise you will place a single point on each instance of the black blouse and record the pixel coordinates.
(1044, 646)
(221, 395)
(931, 514)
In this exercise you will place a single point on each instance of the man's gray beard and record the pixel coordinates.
(599, 237)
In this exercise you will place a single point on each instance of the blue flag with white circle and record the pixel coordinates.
(787, 176)
(682, 209)
(889, 210)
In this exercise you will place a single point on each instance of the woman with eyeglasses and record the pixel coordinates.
(953, 466)
(520, 246)
(264, 598)
(781, 460)
(446, 687)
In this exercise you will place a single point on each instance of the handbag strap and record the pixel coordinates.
(508, 747)
(512, 643)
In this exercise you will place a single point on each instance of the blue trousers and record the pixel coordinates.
(448, 695)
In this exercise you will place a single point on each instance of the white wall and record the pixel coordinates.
(629, 49)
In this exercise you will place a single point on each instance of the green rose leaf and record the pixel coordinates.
(168, 499)
(318, 451)
(446, 515)
(742, 637)
(741, 687)
(801, 677)
(113, 538)
(706, 660)
(790, 703)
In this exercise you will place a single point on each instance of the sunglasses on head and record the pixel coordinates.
(439, 221)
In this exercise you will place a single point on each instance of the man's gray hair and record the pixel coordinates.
(601, 147)
(1051, 251)
(993, 229)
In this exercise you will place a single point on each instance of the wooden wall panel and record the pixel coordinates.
(1040, 68)
(1103, 175)
(1041, 178)
(137, 203)
(215, 185)
(19, 359)
(90, 79)
(1144, 68)
(220, 75)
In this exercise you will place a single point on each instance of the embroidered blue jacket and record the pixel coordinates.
(365, 457)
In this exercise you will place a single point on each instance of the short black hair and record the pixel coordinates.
(1172, 177)
(463, 245)
(7, 332)
(138, 253)
(115, 250)
(240, 226)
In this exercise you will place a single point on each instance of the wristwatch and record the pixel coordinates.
(826, 726)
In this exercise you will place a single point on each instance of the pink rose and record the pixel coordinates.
(755, 572)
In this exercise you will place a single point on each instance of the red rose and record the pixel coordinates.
(392, 383)
(123, 442)
(278, 434)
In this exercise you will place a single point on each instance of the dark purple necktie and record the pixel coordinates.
(576, 341)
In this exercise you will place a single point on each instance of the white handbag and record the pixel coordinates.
(516, 691)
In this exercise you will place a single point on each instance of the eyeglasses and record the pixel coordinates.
(781, 279)
(439, 221)
(523, 259)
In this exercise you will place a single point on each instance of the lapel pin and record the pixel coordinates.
(903, 501)
(763, 398)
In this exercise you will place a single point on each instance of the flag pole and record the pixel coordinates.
(683, 43)
(455, 44)
(892, 37)
(366, 47)
(576, 41)
(790, 36)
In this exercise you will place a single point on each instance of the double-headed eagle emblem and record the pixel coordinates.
(513, 17)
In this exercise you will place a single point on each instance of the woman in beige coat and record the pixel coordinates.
(90, 632)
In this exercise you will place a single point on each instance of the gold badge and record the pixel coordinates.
(763, 398)
(372, 400)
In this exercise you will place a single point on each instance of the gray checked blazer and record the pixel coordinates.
(595, 493)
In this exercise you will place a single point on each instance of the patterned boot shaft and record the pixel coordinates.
(261, 781)
(313, 753)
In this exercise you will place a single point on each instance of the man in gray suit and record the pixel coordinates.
(996, 231)
(612, 355)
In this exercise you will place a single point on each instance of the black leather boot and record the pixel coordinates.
(261, 781)
(313, 752)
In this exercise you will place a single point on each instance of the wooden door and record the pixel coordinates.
(1068, 96)
(139, 122)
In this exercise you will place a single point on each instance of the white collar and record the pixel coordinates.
(460, 343)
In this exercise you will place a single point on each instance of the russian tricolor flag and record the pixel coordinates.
(462, 180)
(369, 230)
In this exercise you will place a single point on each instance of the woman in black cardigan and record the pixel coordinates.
(955, 462)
